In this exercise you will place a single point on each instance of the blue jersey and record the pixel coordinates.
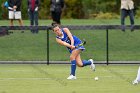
(66, 39)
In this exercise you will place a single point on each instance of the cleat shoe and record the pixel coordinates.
(135, 82)
(71, 77)
(92, 66)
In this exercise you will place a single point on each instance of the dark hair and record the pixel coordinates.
(54, 25)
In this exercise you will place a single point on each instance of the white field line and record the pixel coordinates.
(25, 79)
(65, 61)
(1, 79)
(102, 70)
(16, 71)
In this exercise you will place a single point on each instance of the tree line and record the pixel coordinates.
(77, 9)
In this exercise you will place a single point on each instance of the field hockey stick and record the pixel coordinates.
(83, 43)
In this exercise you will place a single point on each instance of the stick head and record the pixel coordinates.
(84, 41)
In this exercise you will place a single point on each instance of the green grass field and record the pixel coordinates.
(52, 79)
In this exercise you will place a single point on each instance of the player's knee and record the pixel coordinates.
(72, 57)
(79, 64)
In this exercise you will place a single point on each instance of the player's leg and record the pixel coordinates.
(83, 63)
(137, 80)
(73, 63)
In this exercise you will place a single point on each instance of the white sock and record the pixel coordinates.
(138, 75)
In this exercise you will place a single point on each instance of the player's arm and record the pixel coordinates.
(59, 41)
(69, 35)
(10, 8)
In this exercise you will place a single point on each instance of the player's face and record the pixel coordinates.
(57, 31)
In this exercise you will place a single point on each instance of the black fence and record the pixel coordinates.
(105, 28)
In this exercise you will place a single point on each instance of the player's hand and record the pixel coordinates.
(72, 47)
(15, 7)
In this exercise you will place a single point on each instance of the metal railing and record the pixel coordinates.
(72, 27)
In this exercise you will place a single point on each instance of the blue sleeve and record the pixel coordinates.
(6, 4)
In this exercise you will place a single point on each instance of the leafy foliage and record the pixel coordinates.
(76, 8)
(73, 9)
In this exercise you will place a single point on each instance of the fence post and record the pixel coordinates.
(48, 47)
(107, 47)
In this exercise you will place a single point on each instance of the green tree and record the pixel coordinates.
(3, 11)
(24, 9)
(73, 9)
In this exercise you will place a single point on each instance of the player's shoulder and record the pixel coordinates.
(65, 28)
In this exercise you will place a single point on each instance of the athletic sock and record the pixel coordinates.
(73, 67)
(138, 75)
(85, 63)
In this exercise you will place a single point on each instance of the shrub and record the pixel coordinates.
(102, 15)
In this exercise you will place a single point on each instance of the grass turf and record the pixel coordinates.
(52, 79)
